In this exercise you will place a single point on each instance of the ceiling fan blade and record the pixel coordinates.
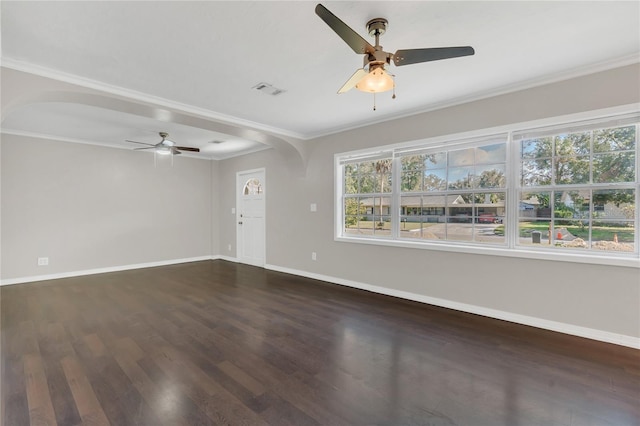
(353, 80)
(141, 143)
(414, 56)
(187, 148)
(352, 38)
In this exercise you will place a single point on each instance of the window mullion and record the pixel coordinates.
(396, 170)
(513, 190)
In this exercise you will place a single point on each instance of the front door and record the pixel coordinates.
(250, 215)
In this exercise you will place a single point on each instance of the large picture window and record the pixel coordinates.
(571, 188)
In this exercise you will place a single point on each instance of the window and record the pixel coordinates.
(452, 195)
(252, 187)
(571, 188)
(578, 189)
(367, 201)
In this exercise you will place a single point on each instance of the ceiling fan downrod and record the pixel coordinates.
(376, 27)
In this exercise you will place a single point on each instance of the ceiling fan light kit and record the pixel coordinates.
(164, 151)
(377, 79)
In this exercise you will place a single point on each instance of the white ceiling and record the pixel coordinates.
(207, 56)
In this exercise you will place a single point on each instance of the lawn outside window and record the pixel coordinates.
(570, 189)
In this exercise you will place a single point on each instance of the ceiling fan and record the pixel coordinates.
(376, 79)
(165, 146)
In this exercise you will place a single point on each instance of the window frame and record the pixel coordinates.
(625, 115)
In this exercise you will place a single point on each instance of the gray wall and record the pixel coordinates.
(604, 298)
(88, 207)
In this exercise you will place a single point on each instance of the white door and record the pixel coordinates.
(250, 199)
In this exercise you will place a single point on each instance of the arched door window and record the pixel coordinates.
(252, 187)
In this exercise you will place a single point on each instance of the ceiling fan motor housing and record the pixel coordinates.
(379, 57)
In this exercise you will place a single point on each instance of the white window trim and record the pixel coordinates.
(511, 248)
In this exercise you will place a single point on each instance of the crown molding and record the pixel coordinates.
(41, 71)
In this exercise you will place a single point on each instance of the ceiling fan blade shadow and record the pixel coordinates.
(187, 148)
(414, 56)
(149, 147)
(352, 38)
(353, 80)
(141, 143)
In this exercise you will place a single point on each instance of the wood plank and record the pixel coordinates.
(88, 405)
(237, 374)
(95, 344)
(40, 406)
(149, 391)
(61, 397)
(209, 396)
(15, 408)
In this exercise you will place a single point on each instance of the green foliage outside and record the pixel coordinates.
(351, 211)
(563, 211)
(427, 172)
(613, 156)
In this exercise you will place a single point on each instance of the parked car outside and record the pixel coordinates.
(489, 218)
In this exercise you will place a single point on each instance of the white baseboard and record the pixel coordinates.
(227, 258)
(589, 333)
(21, 280)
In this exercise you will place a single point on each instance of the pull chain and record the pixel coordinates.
(392, 97)
(394, 87)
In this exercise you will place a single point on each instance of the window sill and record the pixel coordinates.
(631, 260)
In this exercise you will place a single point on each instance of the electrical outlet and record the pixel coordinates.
(313, 207)
(229, 247)
(313, 255)
(43, 261)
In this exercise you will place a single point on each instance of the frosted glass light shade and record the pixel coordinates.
(164, 150)
(378, 80)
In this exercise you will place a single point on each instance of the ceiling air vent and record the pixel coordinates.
(268, 89)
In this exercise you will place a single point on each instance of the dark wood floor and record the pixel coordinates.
(220, 343)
